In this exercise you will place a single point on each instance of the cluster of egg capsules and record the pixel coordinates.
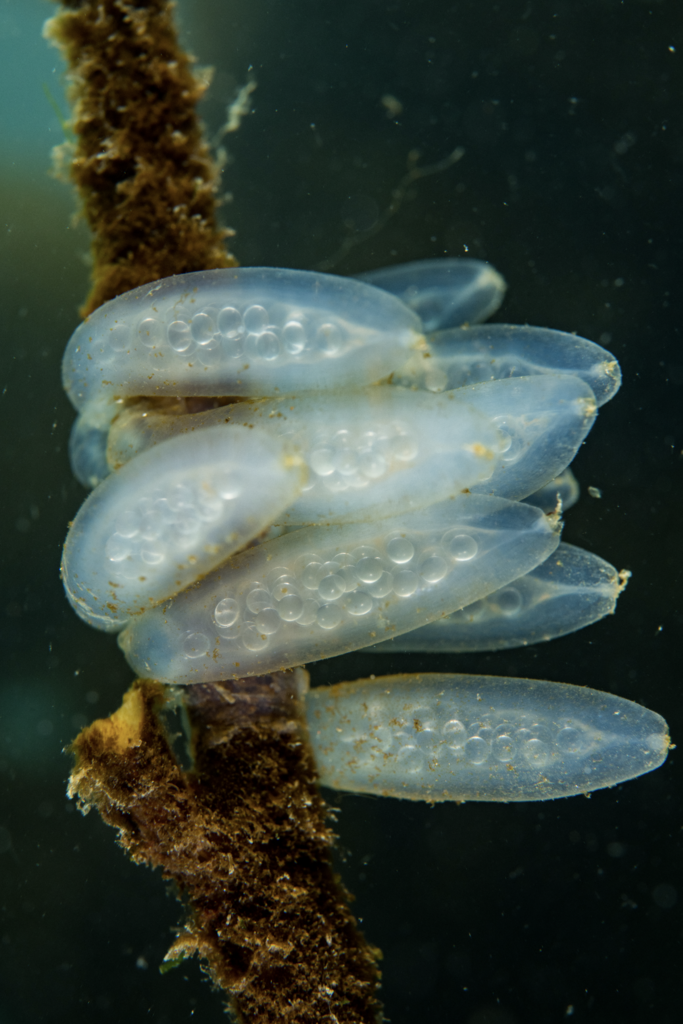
(447, 737)
(289, 465)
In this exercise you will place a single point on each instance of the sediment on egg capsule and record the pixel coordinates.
(177, 405)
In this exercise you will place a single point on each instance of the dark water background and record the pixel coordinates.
(572, 186)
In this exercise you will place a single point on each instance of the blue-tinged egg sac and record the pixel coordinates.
(364, 450)
(487, 352)
(246, 332)
(449, 737)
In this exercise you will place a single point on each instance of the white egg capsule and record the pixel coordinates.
(366, 451)
(325, 590)
(456, 737)
(172, 515)
(245, 331)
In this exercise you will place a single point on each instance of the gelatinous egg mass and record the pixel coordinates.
(288, 466)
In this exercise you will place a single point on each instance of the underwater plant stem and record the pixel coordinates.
(243, 836)
(144, 173)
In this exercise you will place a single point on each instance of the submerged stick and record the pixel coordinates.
(244, 838)
(244, 835)
(144, 173)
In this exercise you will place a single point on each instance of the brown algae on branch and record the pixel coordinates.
(144, 173)
(244, 839)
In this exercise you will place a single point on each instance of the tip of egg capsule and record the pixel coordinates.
(612, 371)
(555, 518)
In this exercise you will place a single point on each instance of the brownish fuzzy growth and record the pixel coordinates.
(243, 837)
(144, 174)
